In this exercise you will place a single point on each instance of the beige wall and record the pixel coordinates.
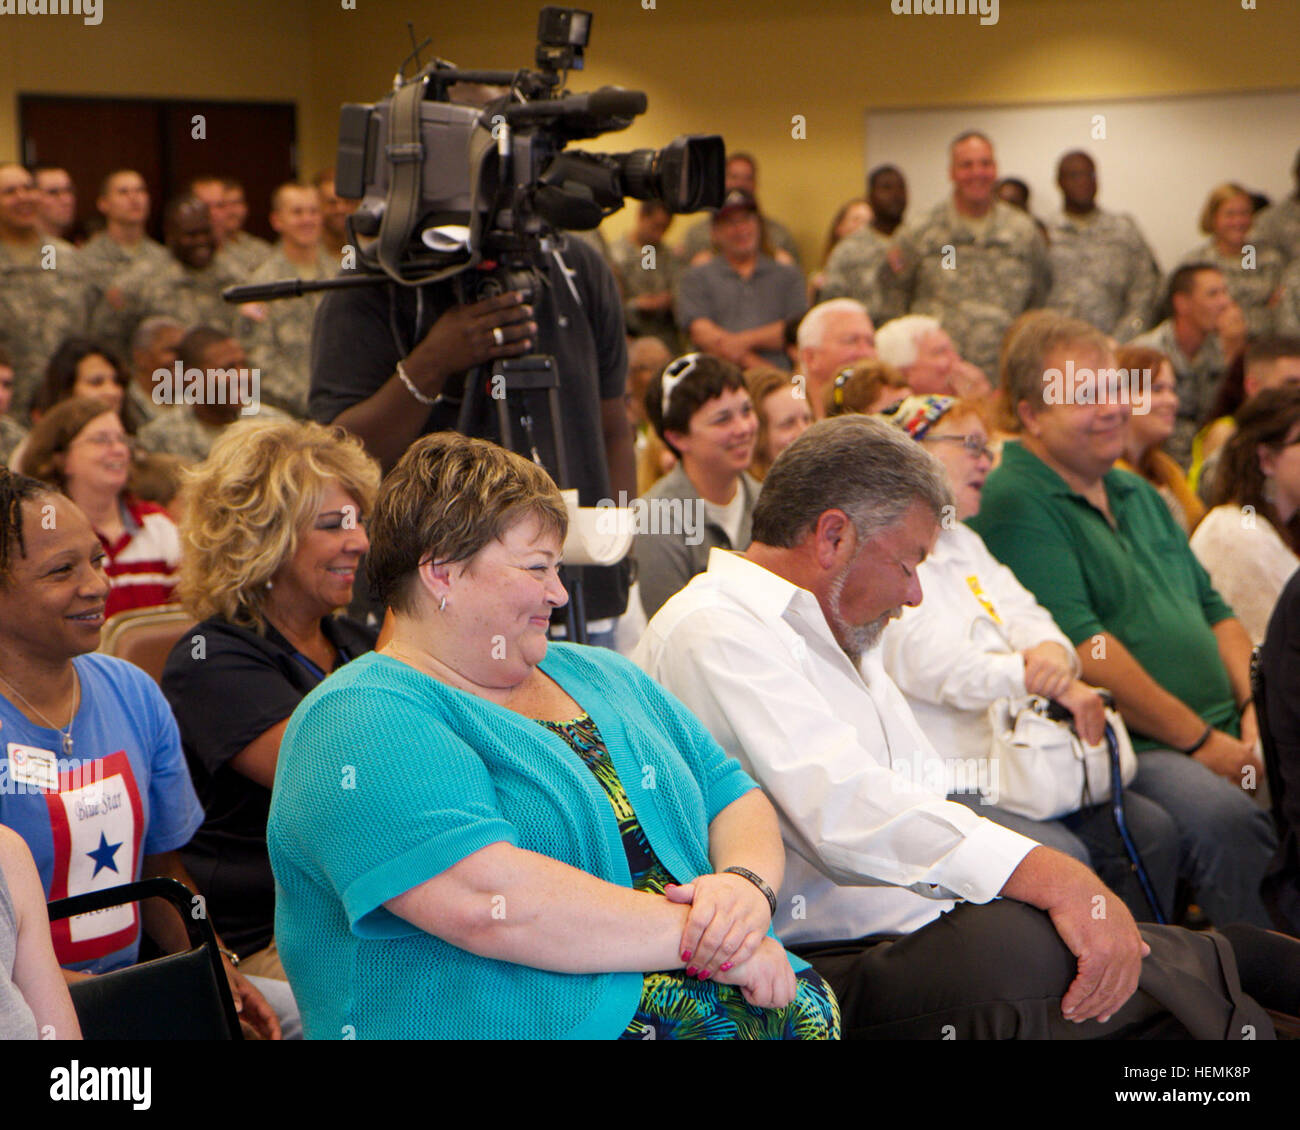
(742, 69)
(247, 49)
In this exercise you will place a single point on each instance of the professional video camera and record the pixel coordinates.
(446, 186)
(479, 193)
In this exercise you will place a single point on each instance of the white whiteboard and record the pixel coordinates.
(1158, 161)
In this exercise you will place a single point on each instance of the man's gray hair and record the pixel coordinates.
(147, 330)
(899, 341)
(813, 327)
(863, 466)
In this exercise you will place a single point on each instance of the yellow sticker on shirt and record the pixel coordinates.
(974, 582)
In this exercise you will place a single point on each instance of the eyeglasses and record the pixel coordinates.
(106, 440)
(677, 372)
(975, 445)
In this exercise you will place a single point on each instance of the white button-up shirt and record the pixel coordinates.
(870, 849)
(958, 651)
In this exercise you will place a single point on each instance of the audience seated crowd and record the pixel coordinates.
(799, 815)
(979, 637)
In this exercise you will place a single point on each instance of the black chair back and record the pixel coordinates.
(180, 996)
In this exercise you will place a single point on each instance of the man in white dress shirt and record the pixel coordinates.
(890, 890)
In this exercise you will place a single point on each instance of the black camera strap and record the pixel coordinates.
(402, 210)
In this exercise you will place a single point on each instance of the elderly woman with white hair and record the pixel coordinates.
(918, 346)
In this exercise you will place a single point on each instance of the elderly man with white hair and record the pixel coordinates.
(832, 336)
(917, 346)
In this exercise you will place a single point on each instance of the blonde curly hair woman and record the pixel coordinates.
(273, 533)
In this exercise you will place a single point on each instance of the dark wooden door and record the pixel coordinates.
(254, 142)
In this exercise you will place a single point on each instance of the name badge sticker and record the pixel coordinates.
(35, 768)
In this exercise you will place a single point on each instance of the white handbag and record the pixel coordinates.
(1041, 768)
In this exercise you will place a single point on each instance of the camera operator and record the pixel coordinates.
(362, 336)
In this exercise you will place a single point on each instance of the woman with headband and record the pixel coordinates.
(700, 407)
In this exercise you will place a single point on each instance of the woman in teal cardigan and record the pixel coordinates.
(477, 836)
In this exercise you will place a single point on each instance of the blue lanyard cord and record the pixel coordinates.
(344, 657)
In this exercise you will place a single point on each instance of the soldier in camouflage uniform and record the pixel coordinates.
(974, 262)
(42, 287)
(277, 334)
(189, 430)
(648, 285)
(12, 433)
(238, 253)
(1254, 289)
(1103, 270)
(1191, 340)
(188, 287)
(1278, 225)
(1252, 270)
(1287, 319)
(124, 203)
(857, 269)
(858, 264)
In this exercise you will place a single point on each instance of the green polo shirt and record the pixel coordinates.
(1138, 580)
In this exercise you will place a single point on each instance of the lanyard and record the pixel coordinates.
(314, 669)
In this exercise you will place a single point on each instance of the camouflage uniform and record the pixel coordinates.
(1287, 319)
(634, 280)
(103, 259)
(38, 309)
(856, 269)
(242, 254)
(1103, 271)
(1198, 379)
(178, 431)
(280, 342)
(699, 237)
(142, 404)
(191, 297)
(12, 433)
(998, 270)
(1278, 227)
(1250, 289)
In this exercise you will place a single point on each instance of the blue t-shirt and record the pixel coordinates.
(90, 819)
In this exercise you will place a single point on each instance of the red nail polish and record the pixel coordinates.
(705, 975)
(725, 966)
(686, 956)
(690, 971)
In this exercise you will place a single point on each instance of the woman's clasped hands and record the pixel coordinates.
(726, 940)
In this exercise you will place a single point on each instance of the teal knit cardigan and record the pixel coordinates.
(387, 778)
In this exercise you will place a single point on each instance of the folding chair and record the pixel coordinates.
(180, 996)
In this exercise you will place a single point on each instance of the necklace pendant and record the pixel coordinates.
(67, 745)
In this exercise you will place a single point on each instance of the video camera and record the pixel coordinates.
(446, 186)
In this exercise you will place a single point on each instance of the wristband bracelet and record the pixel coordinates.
(415, 392)
(763, 888)
(1205, 737)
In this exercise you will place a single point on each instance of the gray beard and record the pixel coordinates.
(854, 639)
